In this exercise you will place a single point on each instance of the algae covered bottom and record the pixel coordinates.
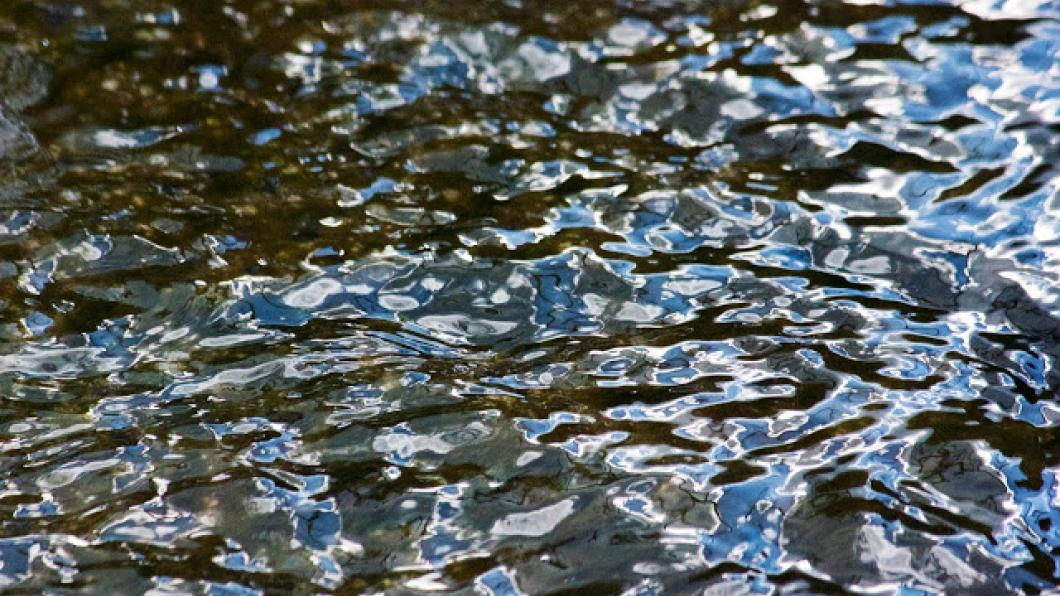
(529, 297)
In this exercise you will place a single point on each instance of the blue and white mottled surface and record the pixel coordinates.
(526, 297)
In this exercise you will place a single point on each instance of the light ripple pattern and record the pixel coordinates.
(526, 297)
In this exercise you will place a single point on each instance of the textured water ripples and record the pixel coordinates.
(638, 298)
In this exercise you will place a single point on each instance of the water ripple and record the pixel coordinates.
(616, 297)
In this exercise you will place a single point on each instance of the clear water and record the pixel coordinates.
(596, 297)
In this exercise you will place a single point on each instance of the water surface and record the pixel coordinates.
(600, 297)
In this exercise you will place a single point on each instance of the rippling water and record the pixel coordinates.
(607, 296)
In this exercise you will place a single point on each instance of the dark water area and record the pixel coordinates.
(529, 297)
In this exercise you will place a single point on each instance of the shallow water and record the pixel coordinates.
(529, 297)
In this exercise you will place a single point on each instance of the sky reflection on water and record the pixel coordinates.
(525, 297)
